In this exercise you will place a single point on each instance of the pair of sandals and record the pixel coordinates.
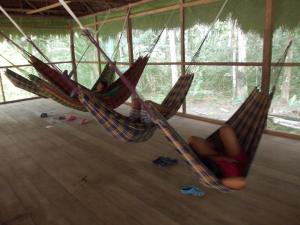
(186, 190)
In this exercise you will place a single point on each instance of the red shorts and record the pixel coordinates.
(232, 168)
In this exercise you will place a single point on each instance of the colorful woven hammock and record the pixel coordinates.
(24, 84)
(43, 89)
(248, 122)
(57, 95)
(125, 128)
(113, 97)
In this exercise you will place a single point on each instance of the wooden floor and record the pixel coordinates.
(72, 174)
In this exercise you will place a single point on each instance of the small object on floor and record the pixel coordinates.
(84, 121)
(44, 115)
(192, 190)
(84, 179)
(70, 117)
(62, 118)
(48, 127)
(165, 161)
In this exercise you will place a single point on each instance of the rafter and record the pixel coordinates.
(46, 8)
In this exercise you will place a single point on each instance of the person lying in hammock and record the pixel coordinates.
(101, 87)
(139, 114)
(227, 166)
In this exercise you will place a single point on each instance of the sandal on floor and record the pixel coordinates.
(192, 190)
(165, 161)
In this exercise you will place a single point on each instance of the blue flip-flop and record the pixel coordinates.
(164, 161)
(192, 190)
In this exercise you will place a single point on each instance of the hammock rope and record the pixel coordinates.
(87, 48)
(28, 38)
(97, 32)
(197, 53)
(15, 66)
(279, 63)
(88, 34)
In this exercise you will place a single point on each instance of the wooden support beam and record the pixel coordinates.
(45, 8)
(182, 45)
(28, 65)
(267, 48)
(19, 100)
(221, 122)
(73, 56)
(120, 8)
(98, 42)
(159, 10)
(129, 38)
(2, 88)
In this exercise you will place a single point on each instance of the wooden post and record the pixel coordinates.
(267, 48)
(98, 42)
(2, 89)
(129, 38)
(182, 45)
(73, 56)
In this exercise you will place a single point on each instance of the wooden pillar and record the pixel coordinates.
(98, 42)
(267, 48)
(182, 45)
(129, 38)
(2, 88)
(73, 56)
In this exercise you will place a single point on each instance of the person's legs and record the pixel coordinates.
(135, 112)
(160, 108)
(202, 146)
(230, 141)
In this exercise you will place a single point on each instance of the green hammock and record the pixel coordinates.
(107, 77)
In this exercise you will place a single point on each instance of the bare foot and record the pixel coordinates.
(236, 183)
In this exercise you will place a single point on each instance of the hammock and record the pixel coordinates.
(249, 122)
(57, 95)
(125, 128)
(43, 89)
(24, 84)
(106, 77)
(114, 96)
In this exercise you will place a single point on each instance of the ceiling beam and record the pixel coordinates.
(45, 8)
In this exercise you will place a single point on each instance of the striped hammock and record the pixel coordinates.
(24, 84)
(56, 95)
(248, 122)
(126, 128)
(43, 89)
(113, 97)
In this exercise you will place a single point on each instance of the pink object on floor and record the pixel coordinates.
(84, 121)
(70, 117)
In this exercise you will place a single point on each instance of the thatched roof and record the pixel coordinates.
(249, 14)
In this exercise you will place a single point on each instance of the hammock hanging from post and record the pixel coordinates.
(43, 89)
(28, 38)
(113, 98)
(256, 106)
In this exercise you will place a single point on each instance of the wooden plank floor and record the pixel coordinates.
(72, 174)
